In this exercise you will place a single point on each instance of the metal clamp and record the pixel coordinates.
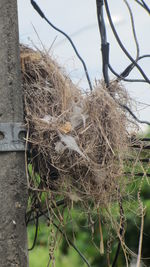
(12, 137)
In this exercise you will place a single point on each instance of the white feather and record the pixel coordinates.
(71, 143)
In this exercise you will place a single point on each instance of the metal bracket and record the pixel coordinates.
(12, 137)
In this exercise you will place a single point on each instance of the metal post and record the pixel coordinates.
(13, 185)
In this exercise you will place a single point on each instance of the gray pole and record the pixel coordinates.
(13, 185)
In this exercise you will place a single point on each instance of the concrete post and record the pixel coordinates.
(13, 185)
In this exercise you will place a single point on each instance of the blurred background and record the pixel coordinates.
(79, 20)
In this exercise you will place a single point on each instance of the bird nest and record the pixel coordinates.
(77, 141)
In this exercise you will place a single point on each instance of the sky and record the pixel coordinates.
(78, 19)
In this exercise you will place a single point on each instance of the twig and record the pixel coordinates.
(121, 231)
(141, 235)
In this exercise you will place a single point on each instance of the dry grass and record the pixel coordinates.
(77, 141)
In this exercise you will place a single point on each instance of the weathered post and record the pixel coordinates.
(13, 185)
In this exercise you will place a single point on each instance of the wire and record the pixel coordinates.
(72, 244)
(133, 29)
(103, 35)
(30, 219)
(99, 5)
(127, 71)
(40, 12)
(69, 241)
(117, 254)
(36, 232)
(139, 174)
(133, 115)
(120, 77)
(121, 45)
(104, 44)
(105, 53)
(144, 5)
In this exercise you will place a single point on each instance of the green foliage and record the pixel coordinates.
(82, 236)
(39, 257)
(66, 256)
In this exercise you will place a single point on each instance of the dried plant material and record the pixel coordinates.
(78, 144)
(77, 141)
(66, 128)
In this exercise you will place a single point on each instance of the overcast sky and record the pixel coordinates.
(78, 19)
